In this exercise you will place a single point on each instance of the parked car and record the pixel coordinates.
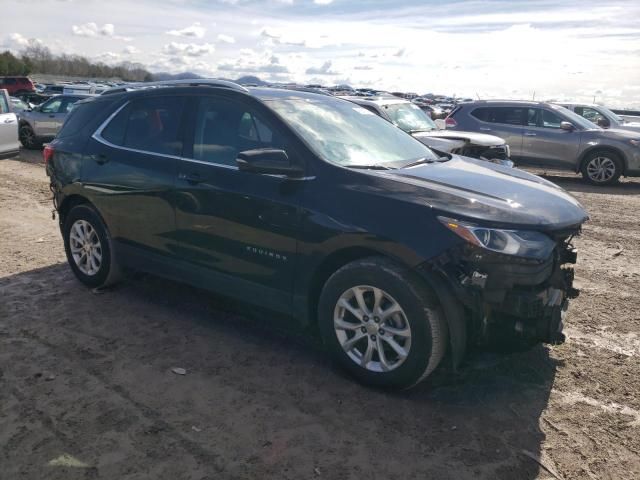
(17, 85)
(602, 116)
(18, 105)
(433, 111)
(413, 120)
(304, 204)
(9, 145)
(43, 122)
(53, 89)
(543, 134)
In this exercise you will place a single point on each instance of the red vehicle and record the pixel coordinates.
(17, 85)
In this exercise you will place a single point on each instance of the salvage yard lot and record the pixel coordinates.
(89, 375)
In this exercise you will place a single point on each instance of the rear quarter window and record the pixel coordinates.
(83, 115)
(504, 115)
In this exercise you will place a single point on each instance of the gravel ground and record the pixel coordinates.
(87, 388)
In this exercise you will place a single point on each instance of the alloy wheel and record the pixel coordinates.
(372, 328)
(85, 247)
(27, 137)
(601, 169)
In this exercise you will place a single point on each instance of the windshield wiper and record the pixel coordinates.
(425, 160)
(419, 130)
(370, 167)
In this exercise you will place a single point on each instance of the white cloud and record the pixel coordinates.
(322, 2)
(226, 38)
(91, 29)
(130, 50)
(195, 30)
(324, 69)
(188, 49)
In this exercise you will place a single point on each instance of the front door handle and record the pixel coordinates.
(529, 134)
(52, 115)
(485, 129)
(192, 178)
(101, 159)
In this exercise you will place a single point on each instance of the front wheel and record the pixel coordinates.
(28, 138)
(382, 324)
(89, 247)
(602, 168)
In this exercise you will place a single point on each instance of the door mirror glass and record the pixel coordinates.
(269, 161)
(603, 122)
(567, 126)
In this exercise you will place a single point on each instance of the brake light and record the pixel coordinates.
(450, 122)
(47, 153)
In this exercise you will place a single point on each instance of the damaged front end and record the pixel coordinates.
(495, 154)
(514, 285)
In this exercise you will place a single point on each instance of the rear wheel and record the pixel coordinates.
(382, 323)
(89, 247)
(28, 138)
(602, 168)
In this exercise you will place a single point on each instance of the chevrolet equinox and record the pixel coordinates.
(308, 205)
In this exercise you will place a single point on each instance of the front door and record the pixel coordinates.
(9, 145)
(545, 143)
(239, 227)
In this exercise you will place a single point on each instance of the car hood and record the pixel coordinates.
(480, 139)
(446, 145)
(615, 133)
(490, 194)
(632, 126)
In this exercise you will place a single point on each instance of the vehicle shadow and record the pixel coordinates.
(265, 400)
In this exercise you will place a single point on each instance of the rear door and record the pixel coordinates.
(239, 227)
(545, 143)
(130, 168)
(9, 145)
(505, 122)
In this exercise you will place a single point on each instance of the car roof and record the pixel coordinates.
(531, 103)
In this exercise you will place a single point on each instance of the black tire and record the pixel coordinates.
(610, 172)
(421, 309)
(28, 138)
(108, 272)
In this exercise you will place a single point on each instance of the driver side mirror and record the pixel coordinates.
(269, 161)
(567, 126)
(603, 122)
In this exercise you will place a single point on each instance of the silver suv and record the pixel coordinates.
(601, 116)
(43, 122)
(543, 134)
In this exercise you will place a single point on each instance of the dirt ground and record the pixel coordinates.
(87, 388)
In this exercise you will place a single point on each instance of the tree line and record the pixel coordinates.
(36, 58)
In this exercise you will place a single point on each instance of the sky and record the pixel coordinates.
(561, 50)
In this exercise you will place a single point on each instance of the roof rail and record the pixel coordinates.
(195, 82)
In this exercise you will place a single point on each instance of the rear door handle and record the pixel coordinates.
(529, 134)
(485, 129)
(52, 115)
(192, 178)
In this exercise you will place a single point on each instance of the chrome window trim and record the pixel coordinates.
(97, 135)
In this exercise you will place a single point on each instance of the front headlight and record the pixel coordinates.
(635, 143)
(520, 243)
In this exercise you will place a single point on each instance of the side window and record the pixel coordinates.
(67, 104)
(148, 124)
(52, 106)
(592, 115)
(532, 117)
(550, 119)
(223, 129)
(506, 115)
(4, 106)
(9, 81)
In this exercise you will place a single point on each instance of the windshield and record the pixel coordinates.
(409, 117)
(347, 134)
(576, 119)
(610, 114)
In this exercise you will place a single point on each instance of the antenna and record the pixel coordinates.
(478, 96)
(534, 95)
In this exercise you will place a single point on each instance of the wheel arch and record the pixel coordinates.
(71, 201)
(329, 265)
(602, 148)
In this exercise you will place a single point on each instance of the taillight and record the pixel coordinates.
(47, 153)
(450, 122)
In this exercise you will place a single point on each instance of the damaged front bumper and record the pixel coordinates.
(508, 299)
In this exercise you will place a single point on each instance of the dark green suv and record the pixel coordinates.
(309, 205)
